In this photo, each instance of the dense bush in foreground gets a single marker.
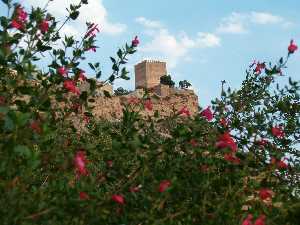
(236, 162)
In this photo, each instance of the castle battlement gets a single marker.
(151, 61)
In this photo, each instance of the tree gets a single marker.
(167, 80)
(121, 91)
(184, 84)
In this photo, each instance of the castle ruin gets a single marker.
(166, 100)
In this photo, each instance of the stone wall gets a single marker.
(111, 108)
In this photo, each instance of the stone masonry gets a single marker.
(111, 108)
(148, 73)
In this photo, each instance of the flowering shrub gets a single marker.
(236, 162)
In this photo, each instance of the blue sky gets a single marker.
(203, 41)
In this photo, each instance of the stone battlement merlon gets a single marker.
(150, 61)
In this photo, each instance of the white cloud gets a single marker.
(265, 18)
(173, 48)
(203, 40)
(233, 24)
(238, 23)
(148, 23)
(93, 12)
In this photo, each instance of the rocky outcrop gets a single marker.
(111, 107)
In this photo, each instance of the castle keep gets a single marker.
(148, 73)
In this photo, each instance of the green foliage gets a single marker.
(121, 91)
(184, 84)
(167, 80)
(59, 165)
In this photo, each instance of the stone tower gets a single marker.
(148, 73)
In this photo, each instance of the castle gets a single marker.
(166, 100)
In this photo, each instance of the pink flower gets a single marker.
(71, 87)
(259, 67)
(265, 193)
(135, 42)
(248, 220)
(2, 100)
(76, 107)
(20, 18)
(93, 48)
(230, 157)
(134, 189)
(148, 104)
(204, 168)
(194, 142)
(86, 119)
(92, 31)
(282, 165)
(277, 132)
(184, 111)
(226, 141)
(207, 113)
(35, 126)
(17, 25)
(164, 185)
(223, 122)
(118, 199)
(83, 196)
(260, 220)
(80, 163)
(109, 163)
(262, 142)
(44, 26)
(21, 14)
(62, 71)
(292, 47)
(81, 76)
(133, 100)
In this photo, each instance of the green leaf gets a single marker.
(106, 94)
(281, 60)
(7, 2)
(4, 110)
(4, 21)
(22, 118)
(115, 67)
(74, 15)
(8, 123)
(120, 53)
(98, 75)
(83, 96)
(92, 66)
(22, 150)
(92, 83)
(111, 78)
(69, 41)
(41, 47)
(113, 59)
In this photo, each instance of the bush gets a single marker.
(235, 165)
(121, 91)
(167, 80)
(184, 84)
